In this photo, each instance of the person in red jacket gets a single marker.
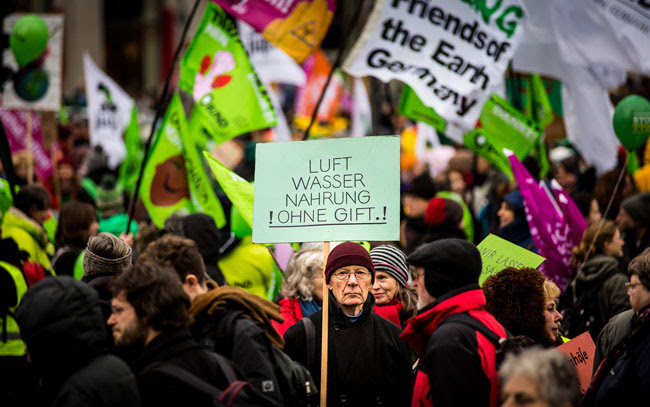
(457, 361)
(303, 286)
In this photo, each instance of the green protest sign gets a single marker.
(217, 72)
(498, 254)
(164, 189)
(203, 197)
(324, 190)
(412, 107)
(238, 190)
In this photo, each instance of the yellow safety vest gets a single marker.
(13, 346)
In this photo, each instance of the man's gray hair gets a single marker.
(555, 375)
(303, 266)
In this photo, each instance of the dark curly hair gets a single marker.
(516, 298)
(156, 295)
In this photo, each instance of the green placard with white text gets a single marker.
(498, 254)
(327, 190)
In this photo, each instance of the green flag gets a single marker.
(134, 152)
(542, 112)
(203, 196)
(502, 126)
(238, 190)
(164, 188)
(412, 107)
(217, 72)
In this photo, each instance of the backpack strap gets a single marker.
(466, 319)
(310, 332)
(225, 332)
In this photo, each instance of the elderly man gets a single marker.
(367, 365)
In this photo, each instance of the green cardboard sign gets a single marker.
(217, 72)
(327, 190)
(498, 254)
(412, 107)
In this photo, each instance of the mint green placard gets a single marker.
(498, 254)
(327, 190)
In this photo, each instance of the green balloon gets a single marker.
(28, 39)
(632, 121)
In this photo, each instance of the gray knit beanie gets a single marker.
(106, 253)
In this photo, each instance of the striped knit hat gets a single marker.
(391, 260)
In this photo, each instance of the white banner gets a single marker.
(614, 34)
(270, 63)
(587, 108)
(36, 87)
(109, 111)
(453, 54)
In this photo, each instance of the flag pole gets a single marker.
(159, 108)
(30, 155)
(337, 63)
(325, 331)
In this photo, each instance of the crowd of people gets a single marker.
(193, 314)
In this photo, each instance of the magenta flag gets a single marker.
(297, 27)
(573, 216)
(15, 124)
(549, 225)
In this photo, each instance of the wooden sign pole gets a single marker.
(325, 330)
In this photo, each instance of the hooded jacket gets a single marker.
(457, 363)
(602, 271)
(63, 329)
(367, 364)
(29, 235)
(247, 342)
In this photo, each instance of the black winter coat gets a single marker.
(175, 347)
(63, 328)
(368, 365)
(248, 348)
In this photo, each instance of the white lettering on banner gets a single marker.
(217, 34)
(528, 132)
(452, 55)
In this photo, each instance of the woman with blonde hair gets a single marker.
(598, 291)
(302, 290)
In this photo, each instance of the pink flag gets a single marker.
(15, 124)
(552, 232)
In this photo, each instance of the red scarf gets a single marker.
(390, 311)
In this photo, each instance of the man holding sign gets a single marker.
(368, 364)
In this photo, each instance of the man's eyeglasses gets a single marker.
(360, 275)
(632, 285)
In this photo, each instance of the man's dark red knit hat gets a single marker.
(348, 254)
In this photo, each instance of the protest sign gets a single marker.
(217, 72)
(498, 254)
(412, 107)
(580, 351)
(453, 54)
(165, 189)
(296, 27)
(271, 64)
(15, 125)
(36, 85)
(324, 190)
(506, 127)
(109, 112)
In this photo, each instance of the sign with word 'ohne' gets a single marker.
(324, 190)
